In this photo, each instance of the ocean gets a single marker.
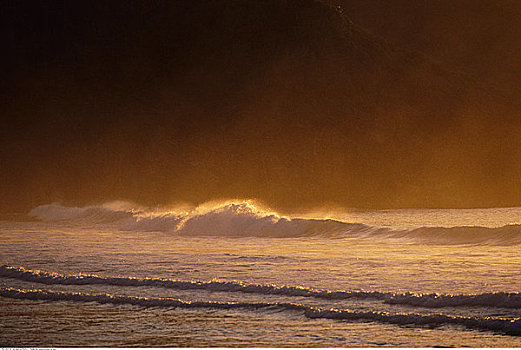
(237, 274)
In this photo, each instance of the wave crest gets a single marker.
(248, 219)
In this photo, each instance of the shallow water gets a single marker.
(120, 277)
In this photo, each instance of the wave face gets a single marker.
(509, 327)
(498, 299)
(245, 219)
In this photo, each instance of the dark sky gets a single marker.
(371, 104)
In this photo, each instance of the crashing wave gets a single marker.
(228, 219)
(245, 219)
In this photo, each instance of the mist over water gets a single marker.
(295, 103)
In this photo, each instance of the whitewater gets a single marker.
(236, 273)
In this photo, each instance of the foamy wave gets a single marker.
(245, 219)
(222, 219)
(94, 214)
(498, 299)
(161, 222)
(505, 326)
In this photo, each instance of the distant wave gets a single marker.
(505, 326)
(505, 235)
(93, 214)
(244, 219)
(498, 299)
(228, 219)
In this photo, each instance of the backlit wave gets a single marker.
(248, 219)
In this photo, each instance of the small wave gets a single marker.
(504, 235)
(497, 299)
(505, 326)
(216, 286)
(38, 294)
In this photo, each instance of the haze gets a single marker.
(298, 104)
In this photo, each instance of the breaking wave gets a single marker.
(223, 219)
(497, 299)
(245, 219)
(505, 326)
(105, 213)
